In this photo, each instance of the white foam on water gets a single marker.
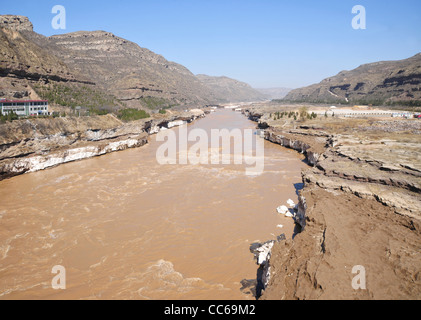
(162, 278)
(62, 178)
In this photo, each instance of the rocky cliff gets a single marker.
(30, 69)
(101, 70)
(387, 82)
(16, 23)
(110, 70)
(38, 144)
(360, 206)
(133, 74)
(23, 64)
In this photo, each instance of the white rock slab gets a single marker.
(283, 210)
(291, 203)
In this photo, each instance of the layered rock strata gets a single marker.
(38, 144)
(360, 207)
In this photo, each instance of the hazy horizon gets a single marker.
(267, 44)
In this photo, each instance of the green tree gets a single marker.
(303, 113)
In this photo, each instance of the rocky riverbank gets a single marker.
(38, 144)
(360, 206)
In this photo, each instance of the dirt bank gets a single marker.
(360, 206)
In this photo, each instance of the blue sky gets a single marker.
(267, 43)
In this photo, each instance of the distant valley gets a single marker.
(275, 93)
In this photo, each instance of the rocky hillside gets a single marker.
(388, 82)
(23, 63)
(230, 90)
(16, 23)
(103, 68)
(100, 70)
(31, 70)
(135, 75)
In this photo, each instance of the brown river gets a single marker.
(125, 227)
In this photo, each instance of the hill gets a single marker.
(94, 69)
(387, 82)
(225, 89)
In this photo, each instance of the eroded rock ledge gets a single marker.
(38, 144)
(360, 206)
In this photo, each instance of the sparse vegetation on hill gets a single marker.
(96, 101)
(155, 103)
(9, 117)
(132, 114)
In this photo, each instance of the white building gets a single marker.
(25, 107)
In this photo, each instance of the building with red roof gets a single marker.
(24, 107)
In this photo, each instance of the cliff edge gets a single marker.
(360, 209)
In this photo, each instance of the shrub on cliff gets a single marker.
(155, 103)
(73, 95)
(132, 114)
(11, 116)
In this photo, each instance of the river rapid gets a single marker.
(125, 227)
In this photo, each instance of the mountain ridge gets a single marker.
(98, 64)
(130, 72)
(382, 82)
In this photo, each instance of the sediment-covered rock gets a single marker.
(289, 139)
(38, 144)
(262, 253)
(352, 212)
(12, 167)
(360, 206)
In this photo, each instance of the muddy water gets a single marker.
(125, 227)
